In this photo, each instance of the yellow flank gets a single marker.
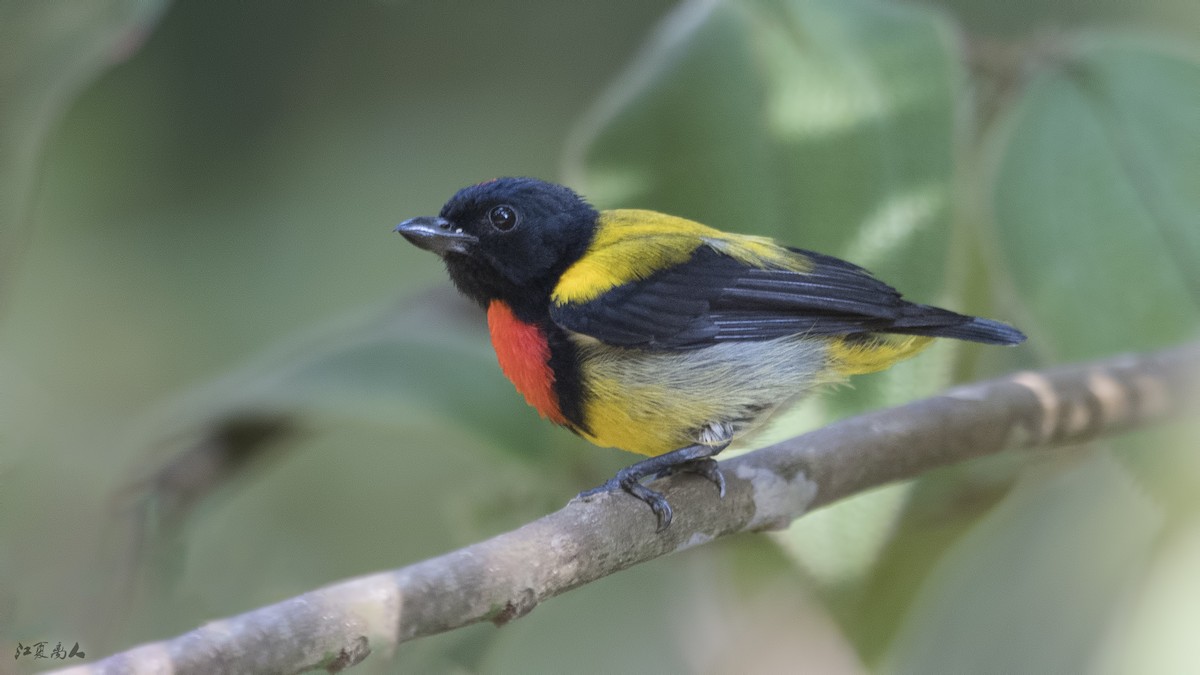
(632, 244)
(618, 419)
(654, 402)
(880, 351)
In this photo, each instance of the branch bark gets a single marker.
(505, 577)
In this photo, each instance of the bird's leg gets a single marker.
(696, 458)
(716, 436)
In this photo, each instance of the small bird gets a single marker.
(661, 336)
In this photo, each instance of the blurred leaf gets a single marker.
(427, 363)
(1157, 633)
(1165, 462)
(750, 611)
(625, 623)
(942, 506)
(827, 124)
(48, 52)
(222, 450)
(1030, 590)
(1090, 193)
(839, 545)
(1096, 198)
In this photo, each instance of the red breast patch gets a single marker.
(524, 357)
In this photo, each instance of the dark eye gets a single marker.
(503, 217)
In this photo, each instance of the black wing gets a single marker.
(714, 298)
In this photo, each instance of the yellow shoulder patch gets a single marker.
(632, 244)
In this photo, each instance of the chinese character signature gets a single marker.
(38, 651)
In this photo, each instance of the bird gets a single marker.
(659, 335)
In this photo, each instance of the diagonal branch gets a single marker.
(505, 577)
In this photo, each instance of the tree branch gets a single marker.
(505, 577)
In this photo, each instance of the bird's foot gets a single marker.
(694, 459)
(630, 482)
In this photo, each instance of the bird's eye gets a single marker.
(503, 217)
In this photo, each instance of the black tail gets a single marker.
(936, 322)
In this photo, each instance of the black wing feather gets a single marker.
(714, 298)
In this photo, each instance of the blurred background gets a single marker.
(224, 382)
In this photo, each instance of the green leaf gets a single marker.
(51, 50)
(425, 364)
(620, 624)
(1030, 589)
(827, 124)
(1096, 198)
(1157, 632)
(840, 545)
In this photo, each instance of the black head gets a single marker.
(509, 238)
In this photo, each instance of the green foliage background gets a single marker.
(224, 382)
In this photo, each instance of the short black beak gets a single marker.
(436, 234)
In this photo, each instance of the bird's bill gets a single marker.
(436, 234)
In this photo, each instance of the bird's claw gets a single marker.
(631, 485)
(657, 503)
(712, 471)
(630, 482)
(706, 467)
